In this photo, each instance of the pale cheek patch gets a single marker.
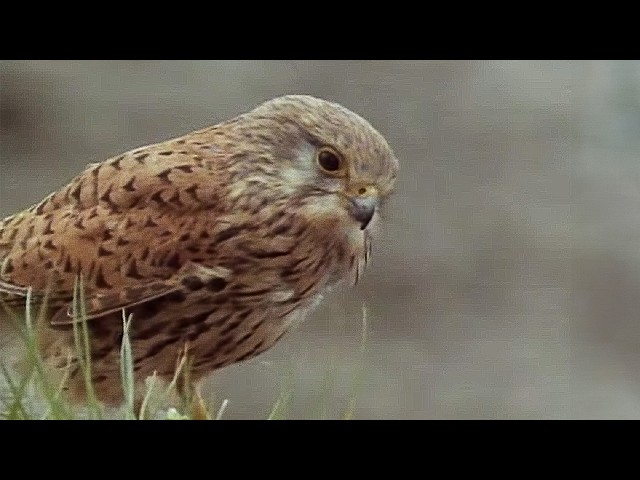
(330, 212)
(294, 178)
(355, 235)
(331, 218)
(305, 157)
(327, 206)
(302, 170)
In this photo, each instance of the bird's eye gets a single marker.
(329, 160)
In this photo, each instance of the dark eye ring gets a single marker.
(329, 160)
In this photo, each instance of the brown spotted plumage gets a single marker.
(220, 239)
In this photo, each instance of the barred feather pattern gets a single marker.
(221, 239)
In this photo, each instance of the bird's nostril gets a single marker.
(362, 191)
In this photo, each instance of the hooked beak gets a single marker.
(363, 208)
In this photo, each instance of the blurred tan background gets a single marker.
(506, 283)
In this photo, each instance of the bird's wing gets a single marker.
(191, 276)
(126, 226)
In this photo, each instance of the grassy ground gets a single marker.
(34, 395)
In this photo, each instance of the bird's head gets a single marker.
(323, 155)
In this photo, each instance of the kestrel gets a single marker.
(220, 240)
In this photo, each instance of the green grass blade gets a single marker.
(126, 368)
(83, 346)
(147, 396)
(57, 408)
(16, 410)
